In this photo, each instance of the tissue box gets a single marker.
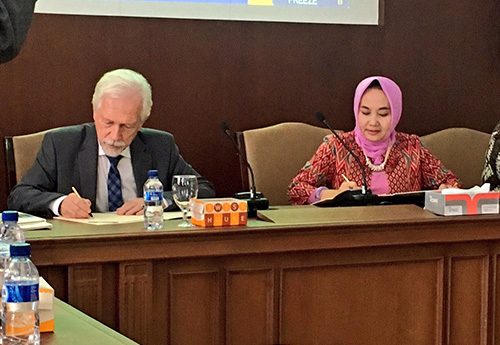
(218, 212)
(461, 204)
(46, 306)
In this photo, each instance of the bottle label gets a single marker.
(19, 293)
(153, 196)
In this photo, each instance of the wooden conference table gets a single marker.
(360, 275)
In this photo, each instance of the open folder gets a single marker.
(357, 198)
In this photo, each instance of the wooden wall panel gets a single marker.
(363, 304)
(250, 306)
(468, 307)
(85, 290)
(135, 300)
(194, 296)
(444, 54)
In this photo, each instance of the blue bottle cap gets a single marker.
(10, 216)
(152, 173)
(20, 249)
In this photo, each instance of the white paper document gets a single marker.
(113, 218)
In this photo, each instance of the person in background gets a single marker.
(491, 170)
(15, 21)
(393, 161)
(86, 156)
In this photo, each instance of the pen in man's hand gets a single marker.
(78, 195)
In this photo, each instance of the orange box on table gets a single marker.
(219, 212)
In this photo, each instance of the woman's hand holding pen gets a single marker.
(347, 184)
(73, 206)
(331, 193)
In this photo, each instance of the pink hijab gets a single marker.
(375, 150)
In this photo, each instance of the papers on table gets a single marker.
(29, 222)
(485, 188)
(112, 218)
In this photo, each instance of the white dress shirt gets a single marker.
(129, 188)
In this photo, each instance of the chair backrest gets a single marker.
(276, 154)
(462, 150)
(21, 152)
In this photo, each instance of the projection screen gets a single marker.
(365, 12)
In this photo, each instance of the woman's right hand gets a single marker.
(348, 185)
(332, 193)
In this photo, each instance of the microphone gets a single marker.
(350, 197)
(225, 129)
(255, 200)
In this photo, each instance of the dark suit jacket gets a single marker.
(68, 157)
(15, 20)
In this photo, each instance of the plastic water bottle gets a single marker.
(9, 224)
(20, 318)
(10, 232)
(153, 199)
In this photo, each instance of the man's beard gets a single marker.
(113, 148)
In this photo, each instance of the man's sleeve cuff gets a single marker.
(167, 203)
(54, 205)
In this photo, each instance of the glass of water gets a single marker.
(184, 187)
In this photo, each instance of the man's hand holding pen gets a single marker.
(74, 206)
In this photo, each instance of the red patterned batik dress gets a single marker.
(410, 167)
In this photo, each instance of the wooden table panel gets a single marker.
(250, 306)
(468, 306)
(363, 304)
(194, 308)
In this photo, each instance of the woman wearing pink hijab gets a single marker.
(393, 162)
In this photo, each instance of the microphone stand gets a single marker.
(255, 200)
(350, 197)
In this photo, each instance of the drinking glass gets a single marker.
(184, 187)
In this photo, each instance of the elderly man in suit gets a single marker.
(84, 156)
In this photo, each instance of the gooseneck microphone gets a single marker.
(322, 118)
(225, 129)
(350, 197)
(255, 200)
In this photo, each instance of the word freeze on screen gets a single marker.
(300, 11)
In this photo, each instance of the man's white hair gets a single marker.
(119, 83)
